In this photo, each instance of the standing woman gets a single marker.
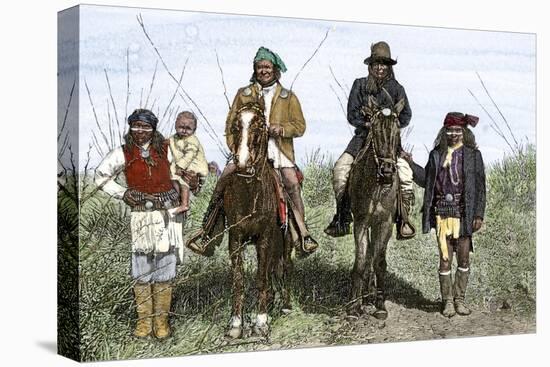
(156, 232)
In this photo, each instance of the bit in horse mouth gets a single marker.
(248, 172)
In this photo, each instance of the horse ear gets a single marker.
(399, 106)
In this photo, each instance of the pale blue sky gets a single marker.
(436, 66)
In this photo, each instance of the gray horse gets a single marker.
(373, 190)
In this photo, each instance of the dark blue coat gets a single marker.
(474, 188)
(358, 98)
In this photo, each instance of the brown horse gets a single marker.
(373, 188)
(251, 209)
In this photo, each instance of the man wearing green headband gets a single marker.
(284, 117)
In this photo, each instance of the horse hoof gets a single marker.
(380, 314)
(261, 331)
(355, 311)
(235, 332)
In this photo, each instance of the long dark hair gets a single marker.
(157, 142)
(468, 139)
(374, 85)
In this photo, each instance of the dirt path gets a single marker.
(403, 324)
(407, 324)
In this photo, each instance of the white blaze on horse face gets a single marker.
(243, 152)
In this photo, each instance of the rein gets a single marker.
(262, 147)
(377, 159)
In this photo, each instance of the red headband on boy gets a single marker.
(455, 119)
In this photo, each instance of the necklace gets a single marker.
(144, 152)
(456, 179)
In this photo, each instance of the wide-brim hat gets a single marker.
(380, 53)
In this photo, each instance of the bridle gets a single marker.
(390, 161)
(262, 148)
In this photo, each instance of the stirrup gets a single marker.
(337, 229)
(405, 230)
(309, 245)
(199, 244)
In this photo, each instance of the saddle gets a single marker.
(283, 200)
(289, 218)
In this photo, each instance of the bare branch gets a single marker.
(114, 106)
(151, 86)
(494, 125)
(96, 144)
(209, 133)
(75, 173)
(227, 229)
(498, 109)
(175, 92)
(67, 110)
(95, 114)
(336, 80)
(127, 81)
(111, 133)
(217, 140)
(99, 187)
(427, 149)
(153, 106)
(64, 145)
(311, 57)
(342, 107)
(223, 80)
(85, 182)
(339, 100)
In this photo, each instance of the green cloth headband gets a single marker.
(266, 54)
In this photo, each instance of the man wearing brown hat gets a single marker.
(381, 85)
(285, 120)
(454, 203)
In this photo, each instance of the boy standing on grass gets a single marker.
(454, 203)
(188, 157)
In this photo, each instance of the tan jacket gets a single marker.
(188, 154)
(285, 112)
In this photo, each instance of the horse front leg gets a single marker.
(237, 272)
(265, 253)
(380, 236)
(361, 235)
(282, 270)
(287, 272)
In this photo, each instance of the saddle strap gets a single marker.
(279, 194)
(297, 217)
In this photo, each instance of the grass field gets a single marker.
(503, 273)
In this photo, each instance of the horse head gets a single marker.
(385, 138)
(251, 136)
